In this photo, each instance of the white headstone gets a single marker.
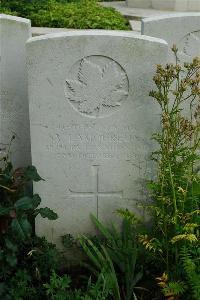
(183, 30)
(14, 111)
(91, 123)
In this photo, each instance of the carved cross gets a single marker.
(96, 192)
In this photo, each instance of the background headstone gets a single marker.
(14, 111)
(183, 30)
(91, 123)
(177, 5)
(139, 3)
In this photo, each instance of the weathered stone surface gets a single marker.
(177, 5)
(170, 5)
(139, 3)
(182, 30)
(91, 123)
(14, 32)
(136, 26)
(36, 31)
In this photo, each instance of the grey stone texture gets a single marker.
(173, 5)
(134, 13)
(14, 111)
(139, 3)
(36, 31)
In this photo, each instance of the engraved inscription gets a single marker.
(97, 87)
(96, 193)
(90, 141)
(190, 44)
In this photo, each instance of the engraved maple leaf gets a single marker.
(191, 44)
(96, 87)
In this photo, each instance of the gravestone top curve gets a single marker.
(170, 17)
(92, 32)
(15, 19)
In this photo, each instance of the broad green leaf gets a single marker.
(104, 231)
(36, 200)
(47, 213)
(31, 174)
(28, 202)
(24, 203)
(137, 278)
(21, 227)
(91, 251)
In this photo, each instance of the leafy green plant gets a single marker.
(59, 288)
(191, 267)
(18, 208)
(98, 290)
(171, 290)
(7, 11)
(21, 285)
(104, 268)
(114, 258)
(56, 289)
(175, 192)
(18, 244)
(34, 260)
(83, 14)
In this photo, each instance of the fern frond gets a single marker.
(190, 237)
(153, 245)
(174, 288)
(194, 212)
(127, 214)
(192, 272)
(189, 227)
